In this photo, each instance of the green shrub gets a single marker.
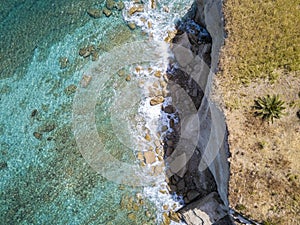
(268, 107)
(240, 207)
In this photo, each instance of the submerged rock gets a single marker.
(63, 61)
(3, 165)
(110, 4)
(86, 79)
(87, 51)
(94, 13)
(148, 214)
(131, 216)
(131, 25)
(121, 73)
(37, 135)
(34, 113)
(120, 6)
(135, 207)
(136, 9)
(47, 127)
(71, 89)
(95, 56)
(128, 78)
(107, 12)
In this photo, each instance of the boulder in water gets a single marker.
(120, 6)
(157, 100)
(87, 51)
(94, 13)
(71, 89)
(86, 79)
(110, 4)
(131, 25)
(149, 157)
(107, 12)
(63, 61)
(128, 78)
(136, 9)
(37, 135)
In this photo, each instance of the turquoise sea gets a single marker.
(43, 177)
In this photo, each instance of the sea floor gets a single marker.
(44, 178)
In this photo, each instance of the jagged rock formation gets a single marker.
(203, 180)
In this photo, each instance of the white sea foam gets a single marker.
(157, 22)
(36, 83)
(162, 17)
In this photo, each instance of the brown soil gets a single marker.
(265, 162)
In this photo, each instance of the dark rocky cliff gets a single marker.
(203, 181)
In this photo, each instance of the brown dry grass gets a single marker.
(264, 36)
(265, 168)
(265, 162)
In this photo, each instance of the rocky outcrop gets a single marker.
(207, 210)
(203, 180)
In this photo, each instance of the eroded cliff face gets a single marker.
(203, 181)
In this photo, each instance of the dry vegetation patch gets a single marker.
(263, 37)
(265, 168)
(261, 57)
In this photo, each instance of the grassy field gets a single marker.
(261, 57)
(264, 38)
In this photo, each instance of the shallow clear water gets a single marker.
(43, 176)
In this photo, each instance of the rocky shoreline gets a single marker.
(205, 191)
(199, 33)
